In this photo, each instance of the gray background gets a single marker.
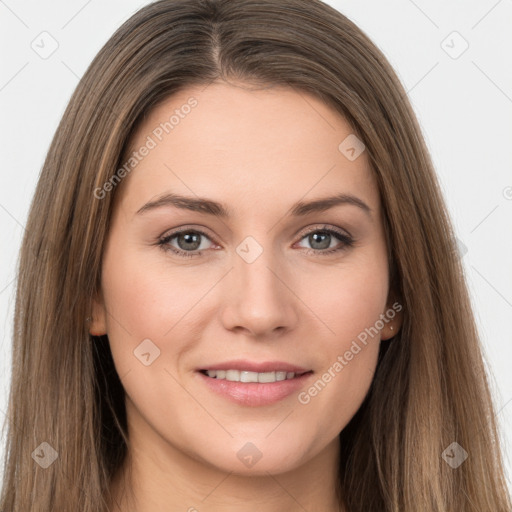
(463, 99)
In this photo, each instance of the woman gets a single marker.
(246, 369)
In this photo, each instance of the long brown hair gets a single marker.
(430, 388)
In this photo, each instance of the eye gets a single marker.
(188, 242)
(321, 241)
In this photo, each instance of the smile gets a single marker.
(248, 376)
(253, 389)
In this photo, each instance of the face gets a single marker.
(251, 284)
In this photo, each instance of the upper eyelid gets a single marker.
(322, 227)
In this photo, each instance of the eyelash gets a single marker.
(347, 242)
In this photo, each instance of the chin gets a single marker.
(255, 458)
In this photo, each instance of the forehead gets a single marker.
(243, 145)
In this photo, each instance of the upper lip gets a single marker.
(253, 366)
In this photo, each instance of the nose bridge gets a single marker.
(253, 270)
(258, 298)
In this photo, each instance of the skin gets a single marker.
(258, 151)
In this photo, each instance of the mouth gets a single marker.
(250, 388)
(246, 376)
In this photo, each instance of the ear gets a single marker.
(98, 319)
(393, 318)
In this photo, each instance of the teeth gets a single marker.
(233, 375)
(246, 376)
(267, 377)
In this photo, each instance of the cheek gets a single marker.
(349, 307)
(144, 299)
(135, 299)
(148, 301)
(347, 300)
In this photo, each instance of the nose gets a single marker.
(259, 298)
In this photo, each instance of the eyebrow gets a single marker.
(209, 207)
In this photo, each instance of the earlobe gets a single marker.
(97, 320)
(393, 325)
(389, 331)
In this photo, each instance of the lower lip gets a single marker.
(255, 394)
